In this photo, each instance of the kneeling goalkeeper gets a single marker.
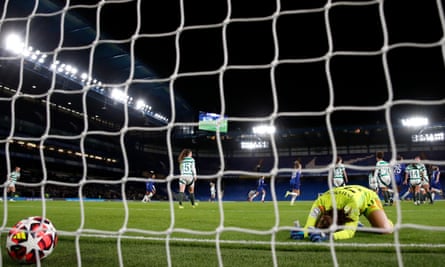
(351, 202)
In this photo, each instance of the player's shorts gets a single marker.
(339, 182)
(415, 182)
(11, 184)
(425, 182)
(384, 181)
(295, 187)
(373, 185)
(187, 180)
(398, 179)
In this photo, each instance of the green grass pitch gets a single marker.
(222, 234)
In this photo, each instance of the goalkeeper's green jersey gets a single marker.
(355, 200)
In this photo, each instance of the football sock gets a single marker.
(417, 197)
(192, 198)
(180, 197)
(430, 197)
(405, 194)
(385, 196)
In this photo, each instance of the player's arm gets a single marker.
(195, 176)
(346, 233)
(314, 214)
(405, 181)
(311, 220)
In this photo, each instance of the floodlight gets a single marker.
(140, 104)
(415, 121)
(263, 129)
(14, 43)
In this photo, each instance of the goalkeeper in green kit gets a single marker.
(351, 202)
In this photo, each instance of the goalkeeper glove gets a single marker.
(297, 235)
(317, 236)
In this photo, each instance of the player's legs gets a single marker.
(145, 198)
(378, 219)
(295, 193)
(263, 196)
(150, 195)
(435, 191)
(181, 193)
(416, 194)
(407, 192)
(11, 188)
(385, 194)
(192, 193)
(253, 196)
(427, 192)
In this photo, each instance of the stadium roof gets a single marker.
(113, 61)
(257, 64)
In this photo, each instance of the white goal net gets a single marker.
(96, 96)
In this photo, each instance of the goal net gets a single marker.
(98, 98)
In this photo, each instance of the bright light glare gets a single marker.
(415, 122)
(263, 129)
(254, 144)
(14, 43)
(119, 95)
(140, 104)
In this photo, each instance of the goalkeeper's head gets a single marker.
(327, 218)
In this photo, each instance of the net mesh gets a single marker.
(344, 57)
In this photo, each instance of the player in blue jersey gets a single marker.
(150, 188)
(188, 176)
(436, 186)
(261, 188)
(349, 203)
(295, 182)
(340, 177)
(399, 173)
(12, 179)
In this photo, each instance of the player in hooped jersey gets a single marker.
(340, 177)
(12, 179)
(425, 183)
(414, 176)
(383, 176)
(188, 176)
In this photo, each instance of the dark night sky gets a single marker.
(245, 58)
